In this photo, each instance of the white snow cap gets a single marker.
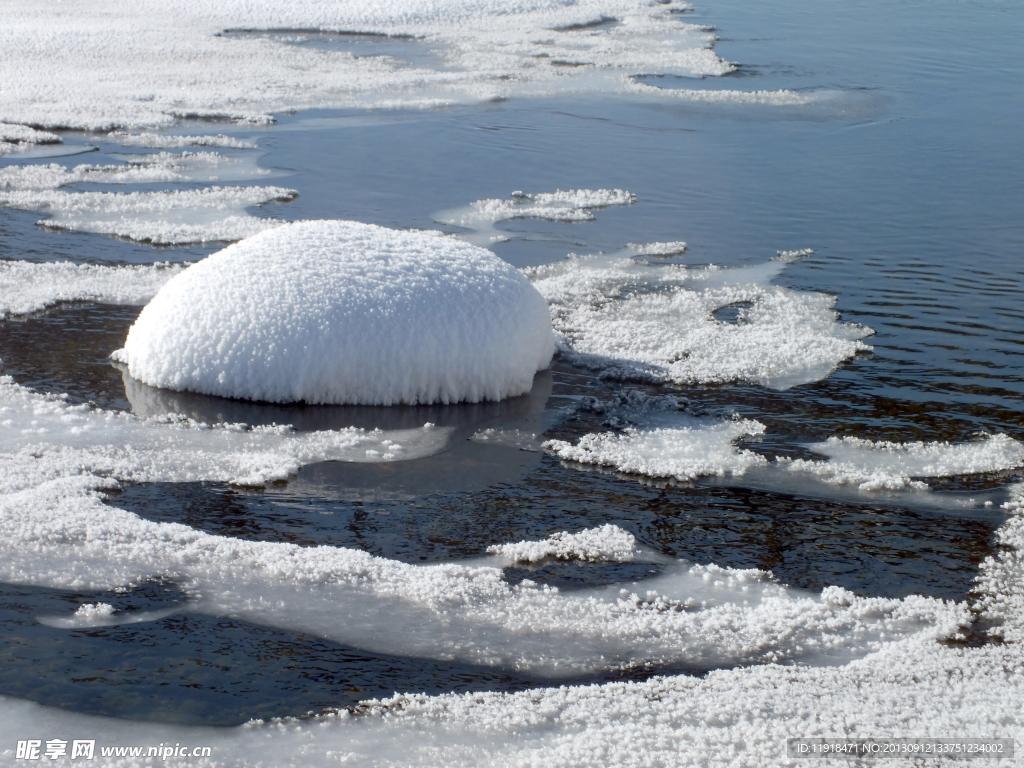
(342, 312)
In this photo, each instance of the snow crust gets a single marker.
(174, 217)
(607, 543)
(29, 287)
(572, 205)
(145, 64)
(651, 321)
(342, 312)
(887, 465)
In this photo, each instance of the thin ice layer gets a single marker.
(342, 312)
(572, 205)
(144, 63)
(658, 322)
(739, 718)
(51, 439)
(891, 466)
(28, 287)
(175, 217)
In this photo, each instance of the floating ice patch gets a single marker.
(698, 449)
(574, 205)
(145, 64)
(137, 169)
(26, 287)
(163, 218)
(607, 543)
(341, 312)
(103, 615)
(873, 466)
(172, 141)
(644, 320)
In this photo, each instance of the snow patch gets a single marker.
(342, 312)
(609, 543)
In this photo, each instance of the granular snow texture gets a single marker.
(342, 312)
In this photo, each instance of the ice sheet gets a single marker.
(28, 287)
(143, 63)
(345, 313)
(175, 217)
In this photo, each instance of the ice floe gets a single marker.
(646, 320)
(342, 312)
(29, 287)
(700, 449)
(146, 64)
(573, 205)
(172, 217)
(56, 437)
(886, 465)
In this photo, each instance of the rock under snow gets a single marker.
(342, 312)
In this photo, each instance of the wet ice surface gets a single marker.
(866, 182)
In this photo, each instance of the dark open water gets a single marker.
(908, 183)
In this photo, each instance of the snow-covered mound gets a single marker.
(342, 312)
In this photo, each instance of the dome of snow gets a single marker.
(343, 312)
